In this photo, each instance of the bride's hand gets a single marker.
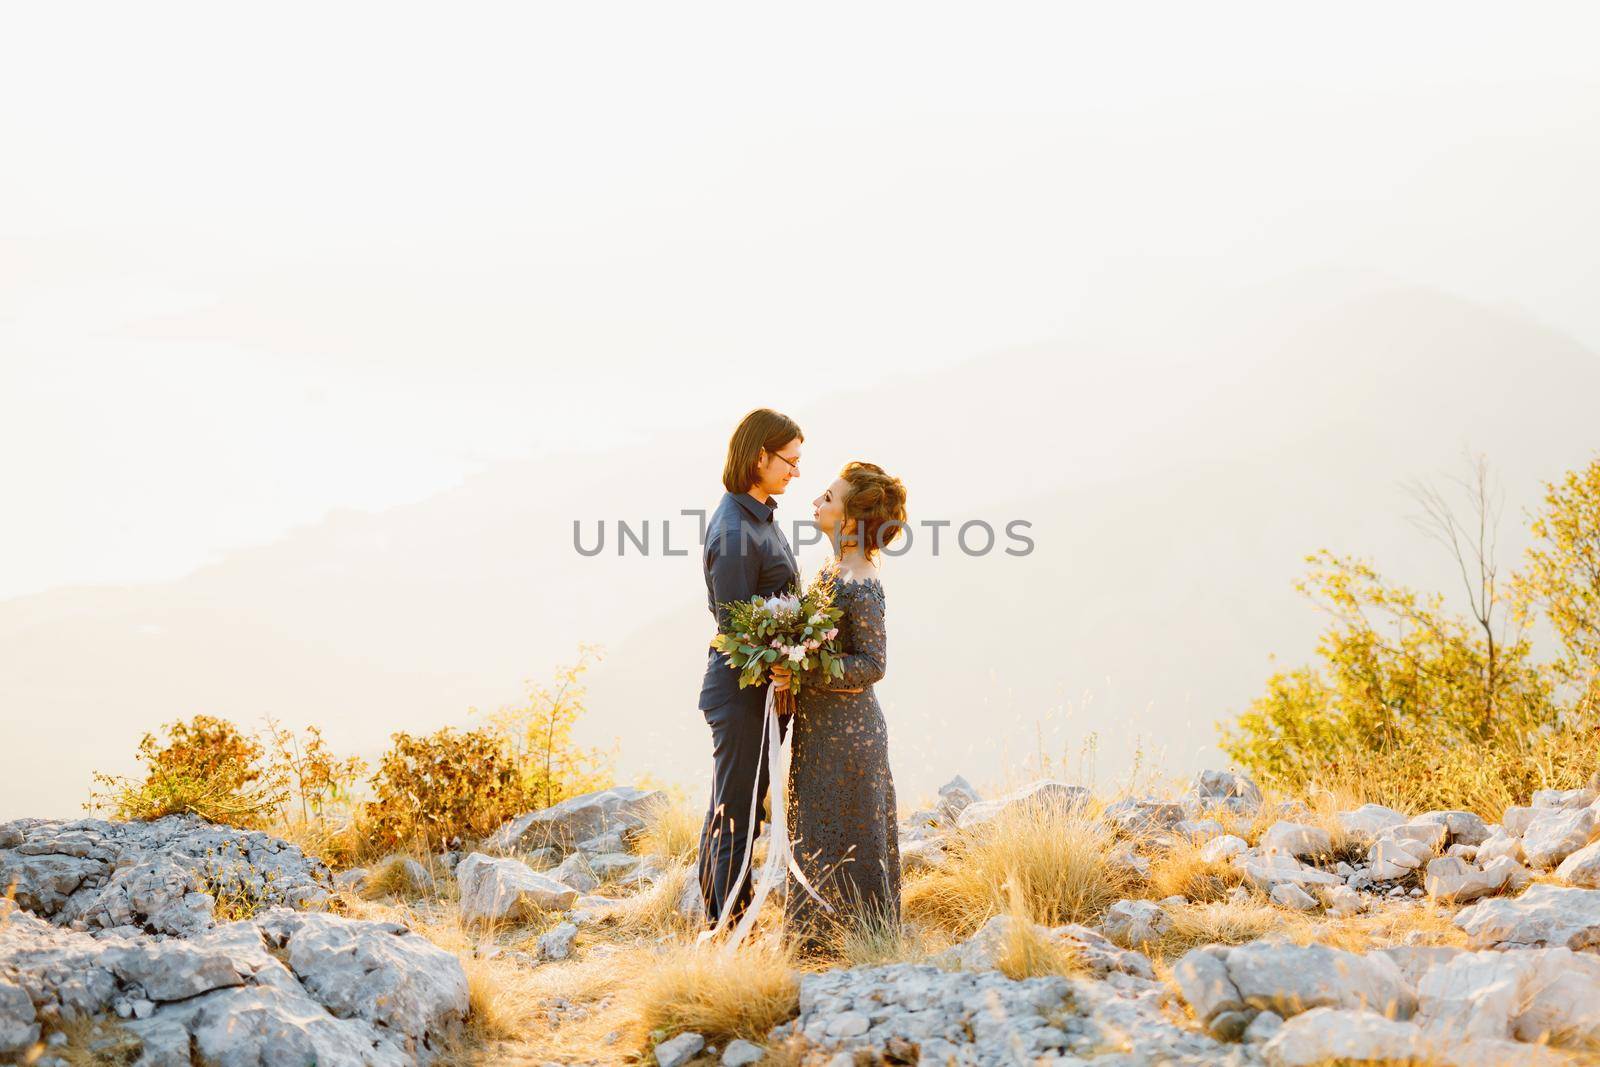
(780, 677)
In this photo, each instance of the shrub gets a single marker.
(205, 768)
(538, 736)
(450, 785)
(316, 777)
(1415, 706)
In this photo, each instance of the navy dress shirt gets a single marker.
(746, 555)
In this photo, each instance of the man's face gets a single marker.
(774, 472)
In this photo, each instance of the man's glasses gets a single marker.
(794, 464)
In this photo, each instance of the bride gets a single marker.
(841, 795)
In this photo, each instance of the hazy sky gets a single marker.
(260, 263)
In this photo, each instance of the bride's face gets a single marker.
(828, 509)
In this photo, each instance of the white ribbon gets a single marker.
(780, 855)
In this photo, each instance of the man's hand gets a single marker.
(781, 676)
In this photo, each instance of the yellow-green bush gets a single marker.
(1412, 705)
(451, 784)
(206, 767)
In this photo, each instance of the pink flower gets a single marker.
(813, 644)
(831, 634)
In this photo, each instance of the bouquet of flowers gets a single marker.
(798, 628)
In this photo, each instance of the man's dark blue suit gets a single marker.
(746, 555)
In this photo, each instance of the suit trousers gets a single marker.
(739, 767)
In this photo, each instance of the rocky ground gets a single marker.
(1357, 936)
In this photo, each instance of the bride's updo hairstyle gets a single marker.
(877, 502)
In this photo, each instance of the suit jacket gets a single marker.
(746, 555)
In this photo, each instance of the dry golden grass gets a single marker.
(876, 940)
(391, 879)
(1220, 923)
(1056, 858)
(718, 993)
(1180, 870)
(653, 913)
(1028, 951)
(672, 832)
(336, 841)
(93, 1043)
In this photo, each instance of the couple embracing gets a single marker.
(845, 867)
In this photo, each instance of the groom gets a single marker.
(746, 555)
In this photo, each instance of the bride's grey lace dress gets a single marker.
(841, 796)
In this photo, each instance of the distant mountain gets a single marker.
(1175, 465)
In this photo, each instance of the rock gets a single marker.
(982, 949)
(267, 1025)
(1297, 839)
(610, 841)
(1563, 798)
(1531, 995)
(1223, 790)
(415, 877)
(1327, 1035)
(955, 796)
(19, 1023)
(1287, 979)
(1223, 848)
(578, 818)
(1500, 844)
(398, 981)
(556, 944)
(1342, 900)
(1556, 833)
(1367, 823)
(573, 871)
(1273, 868)
(1134, 922)
(354, 879)
(1582, 868)
(1264, 1027)
(680, 1050)
(344, 990)
(1138, 817)
(507, 889)
(1200, 829)
(742, 1053)
(1545, 915)
(1454, 880)
(541, 859)
(1395, 857)
(171, 970)
(1289, 895)
(920, 1013)
(1516, 820)
(1044, 795)
(924, 855)
(1461, 827)
(159, 876)
(164, 1042)
(614, 866)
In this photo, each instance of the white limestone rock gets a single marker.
(494, 889)
(1226, 986)
(1582, 868)
(1043, 795)
(577, 819)
(1556, 833)
(1135, 922)
(1368, 822)
(1544, 915)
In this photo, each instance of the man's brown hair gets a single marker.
(762, 428)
